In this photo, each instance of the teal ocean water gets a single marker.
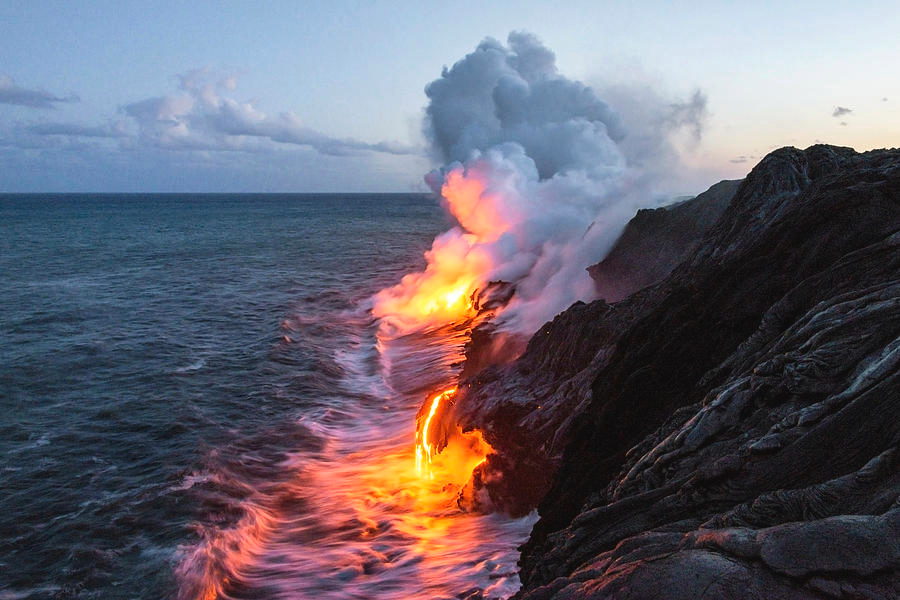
(194, 402)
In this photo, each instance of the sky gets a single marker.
(329, 96)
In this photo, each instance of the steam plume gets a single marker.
(541, 176)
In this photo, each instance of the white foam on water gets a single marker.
(352, 518)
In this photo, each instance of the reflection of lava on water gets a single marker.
(347, 514)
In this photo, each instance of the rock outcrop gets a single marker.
(731, 431)
(655, 241)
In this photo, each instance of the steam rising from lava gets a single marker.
(540, 178)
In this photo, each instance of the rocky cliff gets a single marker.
(731, 431)
(656, 241)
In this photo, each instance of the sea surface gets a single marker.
(196, 404)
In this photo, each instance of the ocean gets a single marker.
(196, 403)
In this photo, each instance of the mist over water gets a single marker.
(196, 402)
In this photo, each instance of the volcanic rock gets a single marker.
(655, 241)
(731, 431)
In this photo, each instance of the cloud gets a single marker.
(200, 136)
(691, 115)
(498, 94)
(73, 130)
(61, 163)
(742, 159)
(843, 123)
(884, 99)
(840, 111)
(202, 115)
(10, 93)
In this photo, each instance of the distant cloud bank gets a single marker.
(10, 93)
(184, 135)
(200, 116)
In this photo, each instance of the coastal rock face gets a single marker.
(655, 241)
(731, 431)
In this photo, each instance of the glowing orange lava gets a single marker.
(458, 458)
(423, 446)
(460, 262)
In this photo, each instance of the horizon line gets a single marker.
(80, 193)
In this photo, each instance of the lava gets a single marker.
(423, 446)
(460, 262)
(459, 454)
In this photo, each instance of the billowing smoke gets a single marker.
(540, 174)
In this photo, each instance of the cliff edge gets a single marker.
(655, 241)
(732, 430)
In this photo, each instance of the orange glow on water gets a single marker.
(378, 524)
(360, 519)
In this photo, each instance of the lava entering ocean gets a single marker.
(540, 177)
(458, 263)
(526, 213)
(460, 452)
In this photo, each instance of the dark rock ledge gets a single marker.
(732, 430)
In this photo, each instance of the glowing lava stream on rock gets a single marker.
(463, 451)
(423, 447)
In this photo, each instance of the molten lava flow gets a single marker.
(423, 446)
(463, 451)
(460, 262)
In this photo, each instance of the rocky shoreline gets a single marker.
(726, 424)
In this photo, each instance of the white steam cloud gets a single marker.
(540, 173)
(498, 94)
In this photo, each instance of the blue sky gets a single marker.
(328, 96)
